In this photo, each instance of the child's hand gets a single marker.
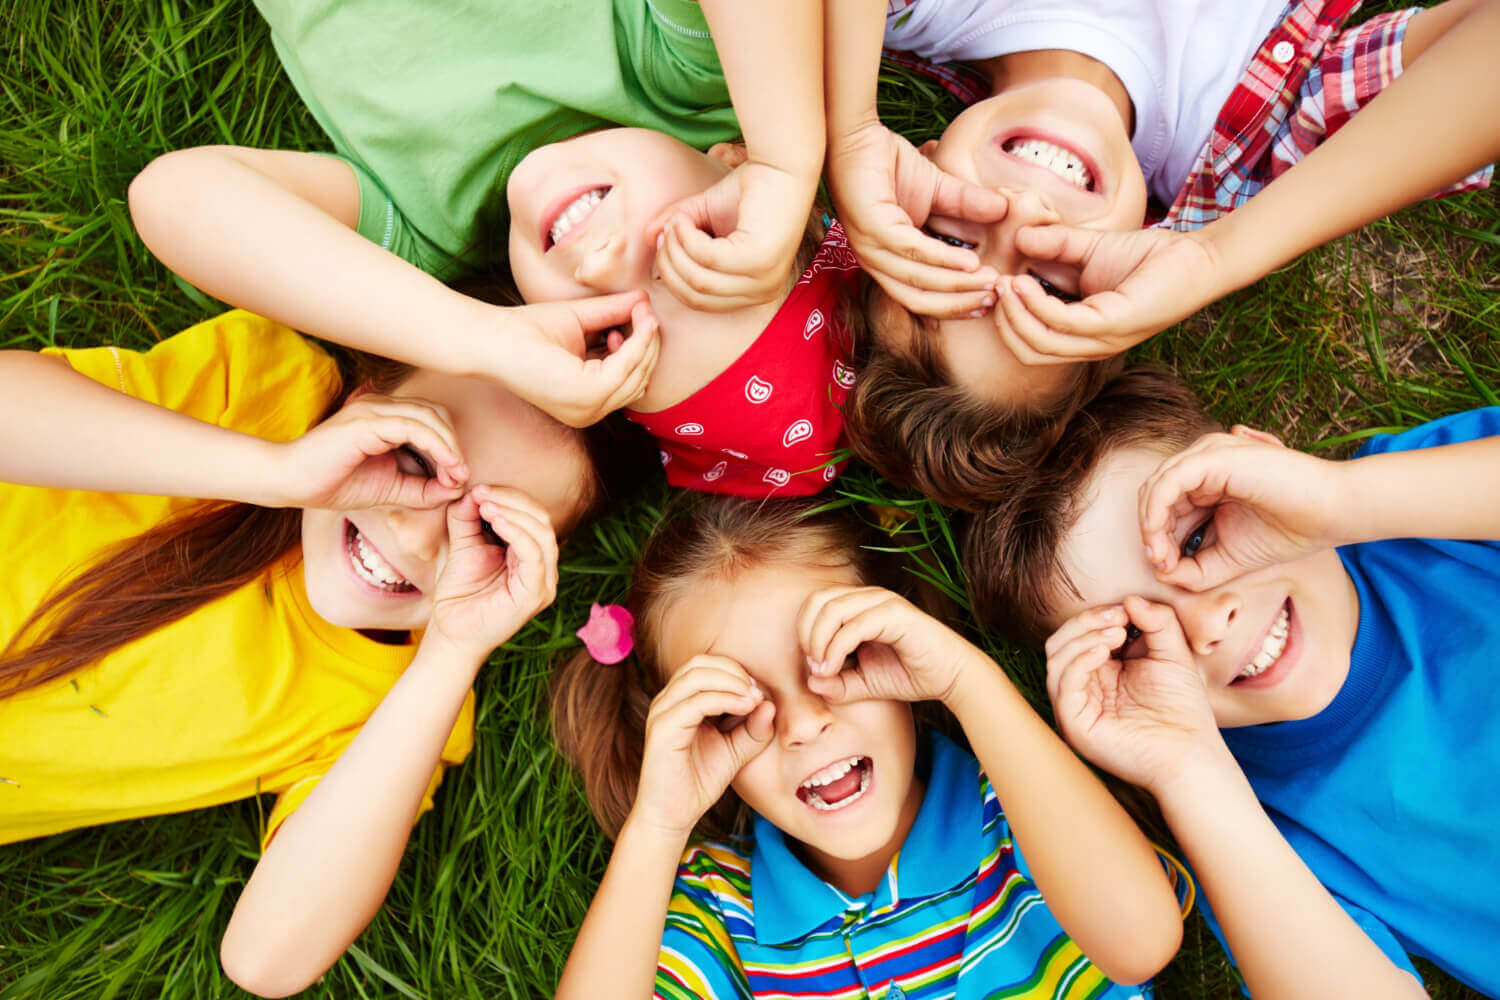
(1140, 717)
(707, 723)
(1135, 284)
(903, 653)
(735, 244)
(376, 451)
(884, 190)
(1239, 501)
(500, 571)
(545, 359)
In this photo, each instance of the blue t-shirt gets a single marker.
(1390, 794)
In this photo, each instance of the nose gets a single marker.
(419, 534)
(604, 265)
(1206, 618)
(801, 718)
(1027, 208)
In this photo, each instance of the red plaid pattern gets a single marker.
(958, 78)
(1283, 108)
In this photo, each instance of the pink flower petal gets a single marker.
(609, 634)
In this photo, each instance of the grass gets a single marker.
(1383, 329)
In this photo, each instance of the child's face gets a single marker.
(377, 568)
(1059, 150)
(579, 211)
(846, 818)
(1229, 626)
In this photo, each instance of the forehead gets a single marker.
(507, 441)
(750, 617)
(1102, 553)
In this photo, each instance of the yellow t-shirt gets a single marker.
(248, 694)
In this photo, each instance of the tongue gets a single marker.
(837, 791)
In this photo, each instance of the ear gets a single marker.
(731, 154)
(1251, 434)
(928, 148)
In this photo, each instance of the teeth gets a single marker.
(1061, 162)
(1272, 648)
(577, 210)
(831, 773)
(372, 568)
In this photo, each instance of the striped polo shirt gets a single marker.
(957, 915)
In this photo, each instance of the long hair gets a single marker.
(599, 712)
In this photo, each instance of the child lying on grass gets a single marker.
(477, 134)
(1095, 108)
(1294, 656)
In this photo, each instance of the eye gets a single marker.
(1054, 291)
(412, 462)
(1132, 647)
(1196, 539)
(952, 241)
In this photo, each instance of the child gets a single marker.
(769, 693)
(1094, 108)
(456, 126)
(161, 654)
(1352, 685)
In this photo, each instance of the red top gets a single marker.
(772, 421)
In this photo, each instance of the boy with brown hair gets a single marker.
(1034, 197)
(1293, 655)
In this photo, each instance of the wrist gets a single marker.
(643, 830)
(268, 476)
(447, 656)
(1200, 774)
(476, 331)
(979, 689)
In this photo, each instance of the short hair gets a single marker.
(917, 427)
(1010, 548)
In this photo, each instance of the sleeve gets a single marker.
(238, 371)
(384, 224)
(455, 751)
(1373, 928)
(1471, 425)
(698, 960)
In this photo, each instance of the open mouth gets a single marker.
(837, 786)
(1056, 159)
(570, 215)
(370, 566)
(1272, 646)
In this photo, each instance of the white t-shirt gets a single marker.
(1178, 59)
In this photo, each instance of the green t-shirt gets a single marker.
(433, 103)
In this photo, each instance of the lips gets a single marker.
(1055, 156)
(1274, 652)
(371, 567)
(837, 785)
(570, 212)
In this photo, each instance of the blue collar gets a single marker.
(1369, 660)
(789, 902)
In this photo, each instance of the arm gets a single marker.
(734, 244)
(1141, 282)
(1099, 876)
(687, 767)
(326, 872)
(63, 430)
(1268, 504)
(271, 231)
(1148, 720)
(884, 189)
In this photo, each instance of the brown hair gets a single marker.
(599, 712)
(1010, 548)
(212, 548)
(908, 419)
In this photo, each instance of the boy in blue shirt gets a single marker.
(1288, 655)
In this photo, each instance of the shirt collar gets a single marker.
(789, 901)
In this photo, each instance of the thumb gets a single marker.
(960, 199)
(604, 311)
(841, 688)
(748, 740)
(1064, 244)
(1160, 628)
(714, 210)
(420, 492)
(1211, 566)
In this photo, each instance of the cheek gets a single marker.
(759, 783)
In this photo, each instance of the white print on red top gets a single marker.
(757, 390)
(737, 454)
(690, 429)
(799, 431)
(716, 471)
(777, 477)
(843, 375)
(665, 458)
(829, 471)
(814, 325)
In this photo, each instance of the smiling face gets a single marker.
(1060, 151)
(377, 568)
(1272, 645)
(836, 779)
